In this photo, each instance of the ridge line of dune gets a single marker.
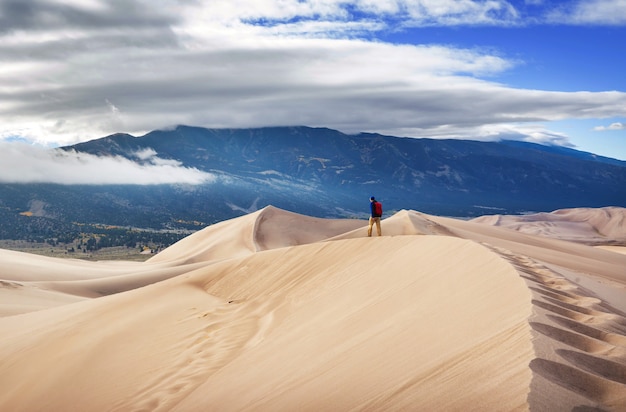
(579, 340)
(257, 224)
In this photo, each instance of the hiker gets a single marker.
(376, 209)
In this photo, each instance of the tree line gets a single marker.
(83, 237)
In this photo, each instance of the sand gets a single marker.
(276, 311)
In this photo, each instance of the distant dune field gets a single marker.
(276, 311)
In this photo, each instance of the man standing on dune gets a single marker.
(376, 209)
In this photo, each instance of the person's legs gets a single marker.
(378, 229)
(369, 228)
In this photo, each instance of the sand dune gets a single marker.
(590, 226)
(269, 228)
(278, 311)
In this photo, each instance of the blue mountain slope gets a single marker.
(434, 175)
(566, 151)
(323, 172)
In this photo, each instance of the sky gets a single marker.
(536, 70)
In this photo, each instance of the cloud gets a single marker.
(23, 163)
(590, 12)
(145, 154)
(404, 12)
(114, 110)
(532, 133)
(72, 71)
(612, 126)
(40, 15)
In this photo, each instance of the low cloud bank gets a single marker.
(22, 163)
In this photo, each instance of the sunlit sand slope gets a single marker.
(585, 225)
(279, 311)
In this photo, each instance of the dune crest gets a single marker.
(280, 311)
(585, 225)
(268, 228)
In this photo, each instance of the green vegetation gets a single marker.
(78, 240)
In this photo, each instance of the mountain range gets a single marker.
(321, 172)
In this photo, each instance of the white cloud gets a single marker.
(602, 12)
(114, 110)
(532, 133)
(77, 70)
(350, 85)
(145, 154)
(612, 126)
(22, 163)
(407, 12)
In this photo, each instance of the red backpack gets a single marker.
(378, 208)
